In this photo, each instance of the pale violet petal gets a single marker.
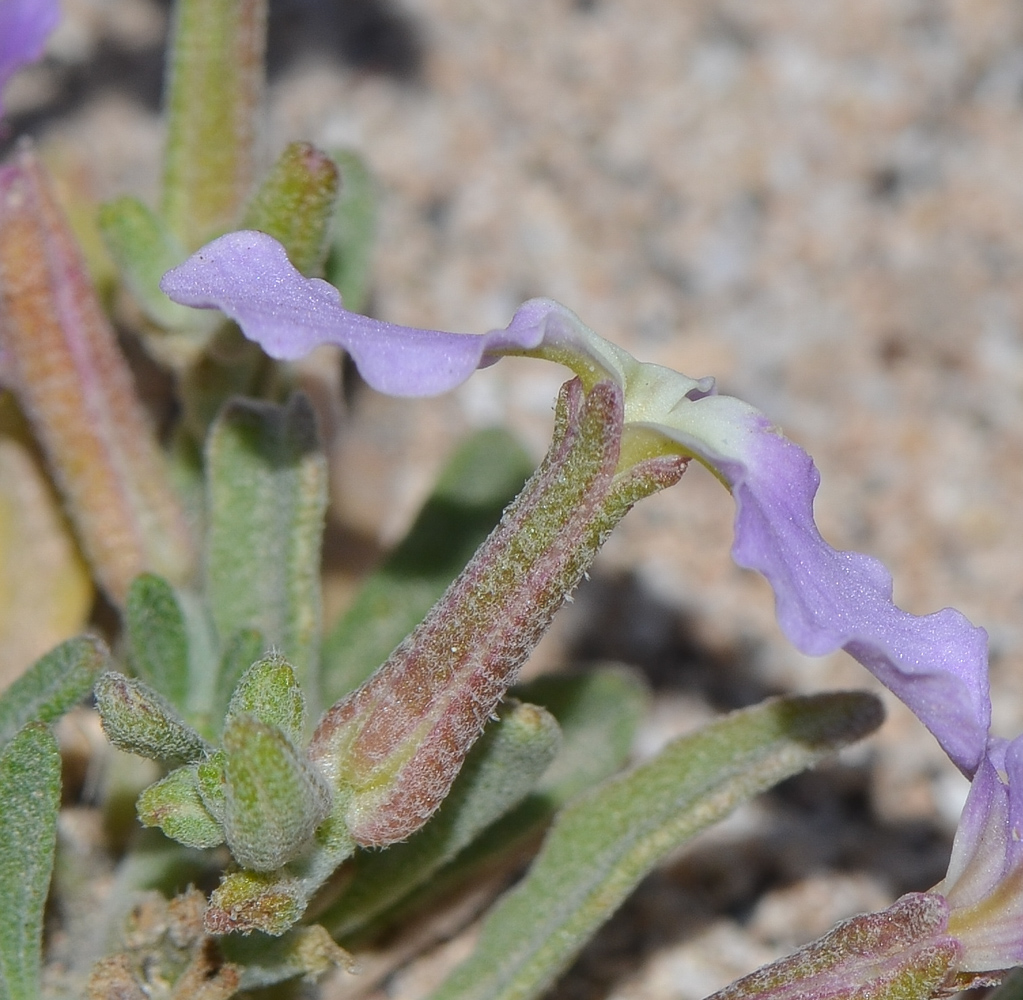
(24, 27)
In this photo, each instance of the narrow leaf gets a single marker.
(270, 694)
(267, 489)
(274, 798)
(240, 652)
(295, 205)
(52, 685)
(603, 844)
(215, 86)
(139, 720)
(157, 638)
(144, 249)
(62, 360)
(501, 769)
(348, 263)
(480, 480)
(30, 795)
(175, 806)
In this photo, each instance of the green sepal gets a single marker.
(141, 721)
(29, 801)
(902, 953)
(267, 494)
(478, 482)
(500, 770)
(604, 842)
(144, 249)
(295, 205)
(157, 638)
(52, 685)
(274, 797)
(176, 807)
(269, 693)
(348, 261)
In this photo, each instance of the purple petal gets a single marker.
(24, 27)
(984, 884)
(248, 276)
(827, 599)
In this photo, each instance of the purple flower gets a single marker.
(24, 27)
(984, 883)
(826, 599)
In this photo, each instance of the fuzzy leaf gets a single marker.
(348, 263)
(295, 205)
(603, 843)
(141, 721)
(55, 683)
(63, 362)
(29, 800)
(269, 693)
(211, 783)
(501, 769)
(144, 250)
(157, 638)
(175, 806)
(480, 480)
(275, 798)
(267, 482)
(240, 652)
(215, 85)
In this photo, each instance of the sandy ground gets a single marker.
(820, 204)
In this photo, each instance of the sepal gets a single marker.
(141, 721)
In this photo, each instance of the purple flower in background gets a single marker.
(24, 27)
(826, 599)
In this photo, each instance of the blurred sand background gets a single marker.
(821, 204)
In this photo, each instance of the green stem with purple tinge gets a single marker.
(393, 747)
(59, 355)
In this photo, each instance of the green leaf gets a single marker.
(29, 800)
(603, 843)
(215, 86)
(501, 769)
(480, 480)
(267, 493)
(144, 250)
(52, 685)
(157, 639)
(141, 721)
(240, 652)
(295, 205)
(175, 806)
(275, 798)
(348, 262)
(269, 693)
